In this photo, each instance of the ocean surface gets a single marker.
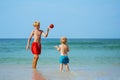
(90, 59)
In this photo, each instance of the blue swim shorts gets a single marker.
(64, 59)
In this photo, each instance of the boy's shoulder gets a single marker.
(63, 45)
(32, 31)
(38, 30)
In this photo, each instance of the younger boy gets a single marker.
(36, 44)
(63, 48)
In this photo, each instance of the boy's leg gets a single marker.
(67, 67)
(61, 67)
(35, 59)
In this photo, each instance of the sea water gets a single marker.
(90, 59)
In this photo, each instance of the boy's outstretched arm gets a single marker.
(57, 47)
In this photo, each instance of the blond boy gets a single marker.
(36, 44)
(64, 49)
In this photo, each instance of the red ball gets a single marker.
(51, 26)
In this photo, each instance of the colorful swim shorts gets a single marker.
(36, 48)
(64, 59)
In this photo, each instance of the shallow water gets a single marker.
(90, 59)
(12, 72)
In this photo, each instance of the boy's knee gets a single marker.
(36, 56)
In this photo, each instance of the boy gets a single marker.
(36, 44)
(63, 48)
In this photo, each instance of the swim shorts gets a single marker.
(64, 59)
(36, 48)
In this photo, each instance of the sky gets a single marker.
(71, 18)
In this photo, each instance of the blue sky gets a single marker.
(72, 18)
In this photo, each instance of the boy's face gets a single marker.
(37, 26)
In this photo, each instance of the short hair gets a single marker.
(36, 23)
(63, 40)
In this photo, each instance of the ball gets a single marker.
(51, 26)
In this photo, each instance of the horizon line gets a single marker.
(59, 38)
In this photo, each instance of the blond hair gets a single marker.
(36, 23)
(63, 40)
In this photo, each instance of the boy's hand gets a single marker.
(27, 47)
(56, 47)
(49, 28)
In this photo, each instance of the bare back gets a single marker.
(64, 49)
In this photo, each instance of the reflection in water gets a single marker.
(37, 75)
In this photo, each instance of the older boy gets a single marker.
(36, 44)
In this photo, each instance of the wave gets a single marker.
(87, 43)
(20, 44)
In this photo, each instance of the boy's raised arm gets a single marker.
(46, 34)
